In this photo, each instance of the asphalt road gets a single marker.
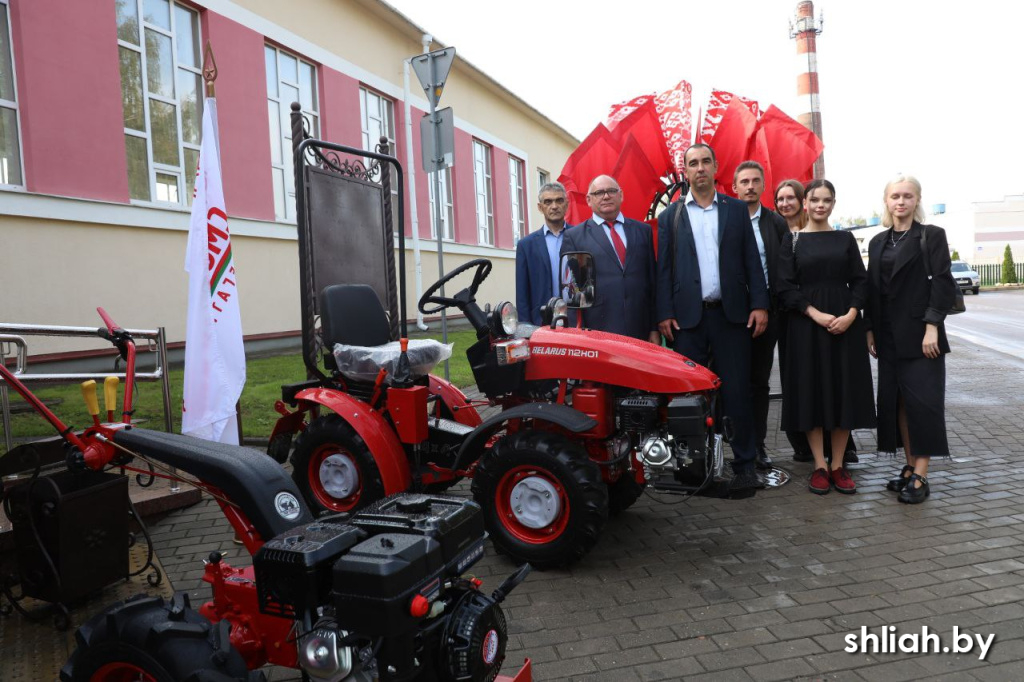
(994, 319)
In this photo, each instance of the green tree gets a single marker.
(1009, 273)
(955, 256)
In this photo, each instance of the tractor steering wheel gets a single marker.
(483, 268)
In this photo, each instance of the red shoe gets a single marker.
(843, 481)
(820, 483)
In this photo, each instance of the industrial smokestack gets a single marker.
(805, 30)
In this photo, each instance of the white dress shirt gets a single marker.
(754, 223)
(704, 224)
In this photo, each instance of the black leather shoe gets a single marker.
(913, 494)
(850, 457)
(803, 456)
(745, 479)
(763, 461)
(900, 482)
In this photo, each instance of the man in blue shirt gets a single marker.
(712, 297)
(537, 255)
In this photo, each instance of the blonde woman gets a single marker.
(828, 376)
(907, 303)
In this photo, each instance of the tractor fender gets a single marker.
(455, 400)
(562, 415)
(378, 435)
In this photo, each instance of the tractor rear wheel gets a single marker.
(146, 639)
(543, 499)
(334, 468)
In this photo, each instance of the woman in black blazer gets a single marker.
(904, 314)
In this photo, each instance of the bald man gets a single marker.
(624, 258)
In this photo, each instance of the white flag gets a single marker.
(214, 354)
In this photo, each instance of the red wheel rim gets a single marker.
(508, 517)
(121, 672)
(320, 457)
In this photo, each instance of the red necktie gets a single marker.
(620, 246)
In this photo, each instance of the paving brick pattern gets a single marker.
(767, 588)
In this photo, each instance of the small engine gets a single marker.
(381, 593)
(674, 444)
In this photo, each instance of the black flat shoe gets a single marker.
(913, 494)
(850, 457)
(803, 456)
(900, 482)
(763, 461)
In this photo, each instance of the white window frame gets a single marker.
(447, 205)
(179, 172)
(379, 109)
(13, 105)
(284, 197)
(543, 178)
(483, 162)
(517, 196)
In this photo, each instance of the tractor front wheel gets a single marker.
(149, 640)
(334, 468)
(543, 499)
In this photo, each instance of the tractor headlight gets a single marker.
(504, 319)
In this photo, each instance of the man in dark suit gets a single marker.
(537, 255)
(624, 260)
(711, 295)
(768, 229)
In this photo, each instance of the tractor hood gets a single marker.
(568, 353)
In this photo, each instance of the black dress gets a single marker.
(828, 377)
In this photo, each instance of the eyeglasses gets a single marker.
(602, 193)
(548, 202)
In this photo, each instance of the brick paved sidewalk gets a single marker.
(767, 588)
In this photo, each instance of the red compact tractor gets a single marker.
(587, 419)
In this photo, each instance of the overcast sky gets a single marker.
(930, 88)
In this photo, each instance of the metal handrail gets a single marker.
(12, 334)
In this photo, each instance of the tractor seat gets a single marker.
(355, 326)
(363, 363)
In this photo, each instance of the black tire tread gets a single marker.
(179, 640)
(331, 428)
(585, 483)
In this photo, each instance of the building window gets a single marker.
(447, 208)
(484, 192)
(543, 178)
(161, 96)
(378, 120)
(10, 147)
(518, 194)
(289, 79)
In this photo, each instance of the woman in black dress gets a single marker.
(823, 285)
(904, 314)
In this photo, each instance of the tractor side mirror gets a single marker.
(577, 279)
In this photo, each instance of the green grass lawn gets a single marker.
(264, 378)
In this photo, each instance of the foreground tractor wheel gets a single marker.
(544, 501)
(149, 640)
(333, 468)
(623, 493)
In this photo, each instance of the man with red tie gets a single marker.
(624, 259)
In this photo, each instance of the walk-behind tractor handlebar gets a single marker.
(375, 595)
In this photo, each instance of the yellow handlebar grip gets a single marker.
(110, 385)
(89, 393)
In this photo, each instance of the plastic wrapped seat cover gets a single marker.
(363, 363)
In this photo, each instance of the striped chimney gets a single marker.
(804, 29)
